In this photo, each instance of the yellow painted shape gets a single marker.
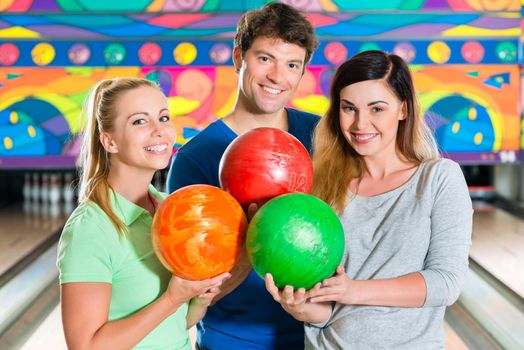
(472, 113)
(316, 104)
(155, 6)
(181, 106)
(185, 53)
(465, 30)
(456, 127)
(478, 138)
(31, 131)
(328, 5)
(439, 52)
(43, 54)
(228, 106)
(8, 142)
(18, 33)
(13, 117)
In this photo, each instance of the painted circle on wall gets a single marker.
(220, 53)
(185, 53)
(43, 54)
(472, 52)
(114, 53)
(406, 51)
(9, 54)
(439, 52)
(79, 53)
(506, 51)
(149, 53)
(335, 52)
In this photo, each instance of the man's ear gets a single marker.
(106, 139)
(237, 58)
(403, 111)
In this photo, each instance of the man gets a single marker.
(272, 47)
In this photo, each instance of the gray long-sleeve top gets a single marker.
(424, 225)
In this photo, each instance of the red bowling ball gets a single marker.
(264, 163)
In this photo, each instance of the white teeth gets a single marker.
(271, 91)
(155, 148)
(364, 137)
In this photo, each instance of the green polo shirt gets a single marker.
(91, 250)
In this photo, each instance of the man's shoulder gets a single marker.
(304, 116)
(210, 137)
(301, 122)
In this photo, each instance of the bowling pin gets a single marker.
(67, 190)
(44, 188)
(27, 189)
(54, 190)
(54, 210)
(35, 188)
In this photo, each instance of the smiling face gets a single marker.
(369, 118)
(270, 72)
(143, 134)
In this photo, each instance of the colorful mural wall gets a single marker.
(463, 54)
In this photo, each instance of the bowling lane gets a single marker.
(50, 335)
(26, 226)
(498, 246)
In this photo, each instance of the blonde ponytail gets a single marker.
(94, 161)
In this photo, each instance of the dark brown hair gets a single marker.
(335, 162)
(276, 20)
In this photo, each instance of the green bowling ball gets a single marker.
(297, 238)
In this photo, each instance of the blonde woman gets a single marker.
(115, 293)
(406, 214)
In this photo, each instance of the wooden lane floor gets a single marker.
(50, 335)
(24, 227)
(498, 246)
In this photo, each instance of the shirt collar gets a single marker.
(127, 211)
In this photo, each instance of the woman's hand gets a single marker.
(336, 288)
(296, 302)
(181, 290)
(292, 301)
(206, 298)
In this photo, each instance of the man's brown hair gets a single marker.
(276, 20)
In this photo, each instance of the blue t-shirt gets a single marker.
(248, 317)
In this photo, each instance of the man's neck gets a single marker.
(242, 121)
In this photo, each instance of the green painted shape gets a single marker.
(78, 98)
(399, 19)
(412, 5)
(152, 76)
(24, 118)
(368, 47)
(381, 5)
(180, 33)
(92, 21)
(210, 5)
(297, 238)
(68, 5)
(104, 5)
(506, 51)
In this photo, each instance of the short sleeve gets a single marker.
(85, 250)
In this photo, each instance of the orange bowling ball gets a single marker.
(199, 231)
